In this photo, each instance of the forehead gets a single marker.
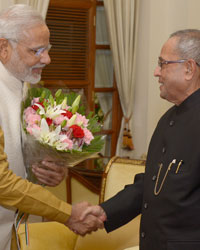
(37, 35)
(168, 50)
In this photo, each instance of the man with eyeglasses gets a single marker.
(24, 47)
(168, 194)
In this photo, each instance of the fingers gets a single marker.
(91, 224)
(54, 166)
(49, 173)
(86, 218)
(94, 210)
(47, 177)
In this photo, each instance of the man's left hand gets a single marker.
(50, 173)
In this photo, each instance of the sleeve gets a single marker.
(125, 205)
(26, 196)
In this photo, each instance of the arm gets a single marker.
(125, 205)
(28, 197)
(121, 208)
(34, 199)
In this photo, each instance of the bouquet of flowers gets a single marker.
(57, 127)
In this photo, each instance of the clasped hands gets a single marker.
(85, 218)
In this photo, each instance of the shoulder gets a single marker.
(166, 116)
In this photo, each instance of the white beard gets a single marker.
(21, 71)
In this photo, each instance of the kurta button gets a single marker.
(145, 205)
(171, 123)
(143, 234)
(164, 150)
(154, 178)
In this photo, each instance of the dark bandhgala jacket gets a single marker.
(168, 194)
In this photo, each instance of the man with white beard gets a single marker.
(24, 47)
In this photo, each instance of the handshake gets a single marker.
(85, 218)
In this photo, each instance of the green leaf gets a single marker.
(75, 104)
(96, 144)
(94, 126)
(63, 124)
(43, 95)
(81, 110)
(72, 99)
(58, 92)
(51, 99)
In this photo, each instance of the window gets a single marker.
(81, 59)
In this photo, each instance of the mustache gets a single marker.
(38, 66)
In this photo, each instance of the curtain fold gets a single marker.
(122, 19)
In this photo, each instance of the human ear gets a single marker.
(190, 69)
(4, 50)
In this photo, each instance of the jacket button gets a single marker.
(143, 234)
(154, 178)
(171, 123)
(164, 150)
(145, 205)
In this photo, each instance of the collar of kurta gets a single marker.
(189, 102)
(9, 80)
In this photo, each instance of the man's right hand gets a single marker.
(86, 218)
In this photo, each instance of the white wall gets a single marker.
(158, 19)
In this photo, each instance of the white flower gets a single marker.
(60, 145)
(44, 135)
(51, 112)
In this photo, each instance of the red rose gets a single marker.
(49, 121)
(35, 107)
(77, 131)
(67, 113)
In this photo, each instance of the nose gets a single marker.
(45, 58)
(157, 71)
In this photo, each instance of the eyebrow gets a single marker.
(160, 58)
(42, 46)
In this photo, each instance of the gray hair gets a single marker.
(188, 44)
(16, 20)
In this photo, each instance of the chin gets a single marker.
(35, 82)
(163, 96)
(33, 79)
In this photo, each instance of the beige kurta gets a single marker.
(10, 101)
(26, 196)
(10, 108)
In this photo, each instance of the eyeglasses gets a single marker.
(37, 52)
(40, 51)
(161, 61)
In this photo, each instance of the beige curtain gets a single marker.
(39, 5)
(157, 20)
(122, 18)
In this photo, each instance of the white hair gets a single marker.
(17, 19)
(188, 44)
